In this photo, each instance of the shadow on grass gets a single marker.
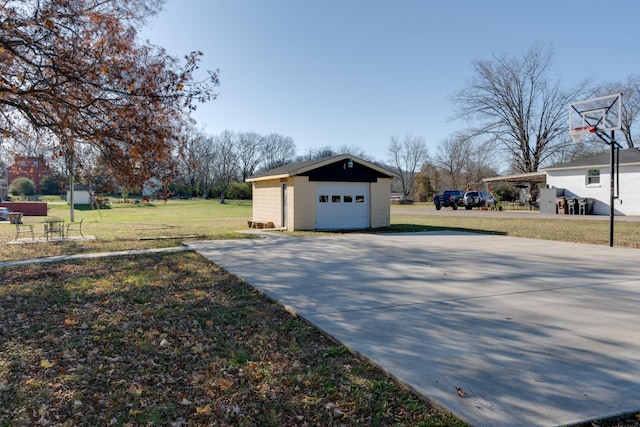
(84, 207)
(413, 228)
(77, 207)
(416, 228)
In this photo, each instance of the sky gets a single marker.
(357, 72)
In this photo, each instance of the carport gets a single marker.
(529, 184)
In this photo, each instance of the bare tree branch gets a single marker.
(407, 157)
(630, 90)
(519, 110)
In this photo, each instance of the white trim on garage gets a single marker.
(342, 205)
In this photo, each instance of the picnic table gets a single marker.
(53, 226)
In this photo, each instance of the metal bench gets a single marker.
(53, 226)
(75, 226)
(24, 229)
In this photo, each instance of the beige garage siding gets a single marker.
(267, 205)
(301, 203)
(380, 211)
(304, 206)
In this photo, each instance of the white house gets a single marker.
(82, 195)
(590, 178)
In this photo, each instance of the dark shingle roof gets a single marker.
(631, 155)
(297, 168)
(291, 168)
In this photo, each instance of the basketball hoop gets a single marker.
(577, 134)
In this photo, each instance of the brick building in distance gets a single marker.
(34, 168)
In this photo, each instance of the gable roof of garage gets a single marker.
(627, 157)
(300, 168)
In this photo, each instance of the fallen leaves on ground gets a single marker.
(461, 392)
(171, 339)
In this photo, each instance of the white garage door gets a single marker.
(342, 205)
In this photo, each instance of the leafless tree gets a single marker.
(190, 155)
(353, 150)
(589, 147)
(462, 162)
(328, 151)
(630, 90)
(453, 157)
(225, 165)
(249, 153)
(317, 153)
(277, 150)
(206, 164)
(520, 109)
(407, 156)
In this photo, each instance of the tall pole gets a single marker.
(71, 186)
(612, 195)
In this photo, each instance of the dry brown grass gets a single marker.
(172, 340)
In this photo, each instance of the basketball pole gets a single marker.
(611, 189)
(599, 115)
(614, 167)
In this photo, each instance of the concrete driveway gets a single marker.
(534, 332)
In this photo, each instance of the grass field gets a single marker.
(171, 339)
(626, 234)
(127, 226)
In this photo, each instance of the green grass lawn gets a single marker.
(128, 226)
(171, 339)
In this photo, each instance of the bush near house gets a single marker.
(239, 191)
(50, 185)
(505, 192)
(22, 187)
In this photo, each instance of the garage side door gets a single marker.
(342, 205)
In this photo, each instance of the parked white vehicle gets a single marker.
(478, 199)
(4, 214)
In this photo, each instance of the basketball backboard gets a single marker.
(601, 114)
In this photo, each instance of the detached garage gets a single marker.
(333, 193)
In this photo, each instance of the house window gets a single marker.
(324, 199)
(359, 199)
(35, 163)
(347, 199)
(593, 176)
(335, 199)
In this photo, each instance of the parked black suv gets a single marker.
(450, 198)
